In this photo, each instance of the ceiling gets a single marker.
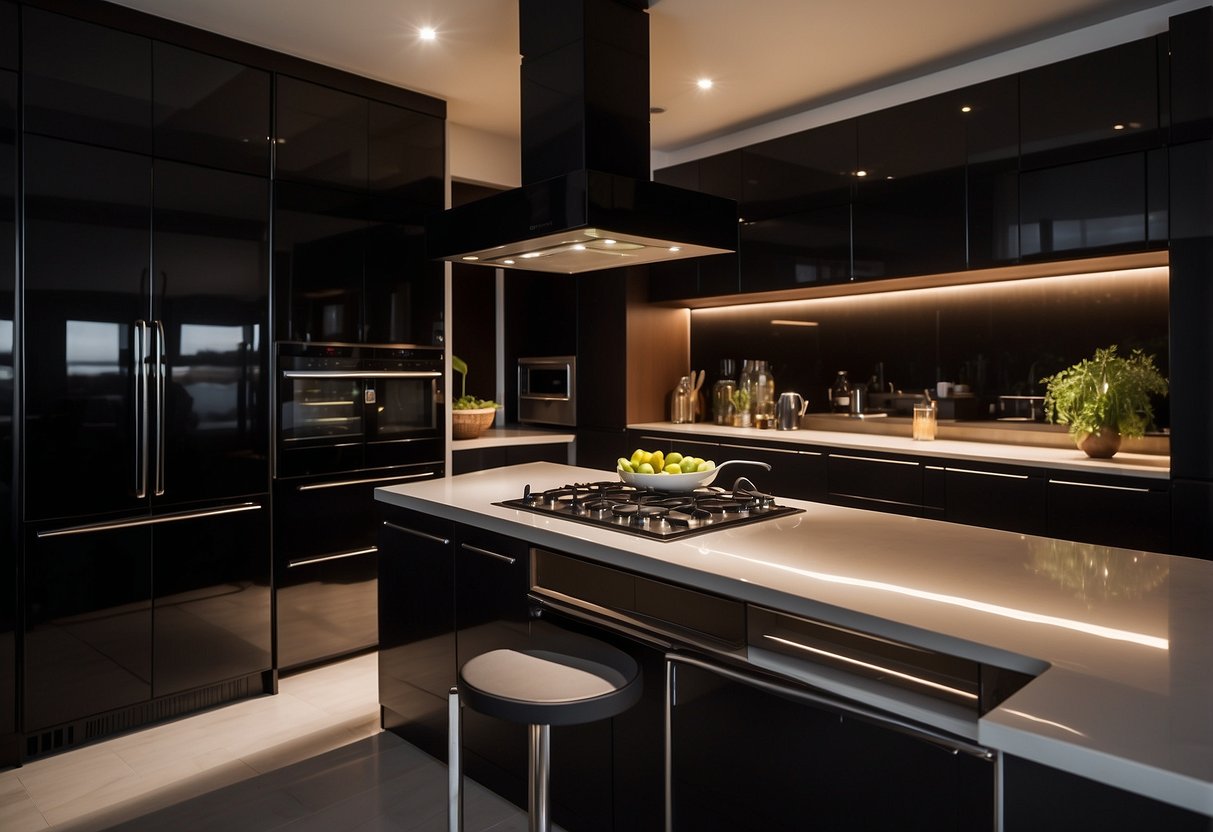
(768, 58)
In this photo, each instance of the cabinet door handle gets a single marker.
(370, 550)
(149, 521)
(987, 473)
(142, 429)
(810, 453)
(679, 440)
(316, 486)
(433, 538)
(1131, 488)
(160, 369)
(874, 459)
(496, 556)
(765, 450)
(361, 374)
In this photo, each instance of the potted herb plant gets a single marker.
(470, 416)
(1104, 398)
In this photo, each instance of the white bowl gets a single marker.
(680, 482)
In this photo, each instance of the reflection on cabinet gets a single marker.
(321, 135)
(86, 82)
(210, 111)
(993, 496)
(9, 35)
(416, 627)
(9, 753)
(479, 459)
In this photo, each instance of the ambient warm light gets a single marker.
(579, 247)
(861, 173)
(786, 322)
(704, 83)
(508, 262)
(530, 254)
(471, 257)
(608, 242)
(1118, 127)
(675, 248)
(427, 33)
(966, 109)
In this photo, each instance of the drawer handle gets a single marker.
(810, 453)
(1099, 485)
(338, 556)
(343, 483)
(496, 556)
(875, 459)
(433, 538)
(987, 473)
(764, 449)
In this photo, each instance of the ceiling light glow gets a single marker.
(704, 83)
(427, 33)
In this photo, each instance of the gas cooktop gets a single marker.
(654, 514)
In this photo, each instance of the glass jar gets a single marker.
(763, 396)
(682, 403)
(840, 393)
(722, 393)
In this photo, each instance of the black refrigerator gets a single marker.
(143, 360)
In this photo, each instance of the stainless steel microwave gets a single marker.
(547, 390)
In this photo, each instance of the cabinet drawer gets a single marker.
(1003, 498)
(1131, 513)
(893, 485)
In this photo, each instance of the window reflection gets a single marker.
(213, 373)
(93, 348)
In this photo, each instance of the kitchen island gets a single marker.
(1117, 642)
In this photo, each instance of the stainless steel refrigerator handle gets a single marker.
(880, 718)
(141, 421)
(159, 368)
(149, 521)
(361, 374)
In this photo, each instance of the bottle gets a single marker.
(681, 402)
(763, 396)
(840, 393)
(722, 393)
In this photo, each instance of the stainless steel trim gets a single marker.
(361, 374)
(433, 538)
(539, 397)
(680, 441)
(370, 550)
(875, 459)
(764, 449)
(454, 771)
(802, 694)
(160, 370)
(671, 693)
(600, 616)
(316, 486)
(999, 793)
(1100, 485)
(496, 556)
(149, 521)
(935, 467)
(538, 775)
(142, 425)
(810, 453)
(987, 473)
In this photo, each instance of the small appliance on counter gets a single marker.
(1021, 408)
(788, 410)
(547, 390)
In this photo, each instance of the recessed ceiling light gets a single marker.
(608, 242)
(508, 262)
(579, 247)
(861, 173)
(675, 248)
(704, 83)
(1118, 127)
(427, 33)
(966, 109)
(471, 257)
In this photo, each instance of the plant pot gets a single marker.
(741, 419)
(1101, 445)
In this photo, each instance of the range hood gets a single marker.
(586, 202)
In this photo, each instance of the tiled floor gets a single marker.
(311, 758)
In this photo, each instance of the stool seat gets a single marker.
(542, 686)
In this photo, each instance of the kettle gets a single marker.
(788, 410)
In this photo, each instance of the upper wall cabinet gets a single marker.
(210, 111)
(86, 82)
(321, 135)
(909, 211)
(1190, 81)
(719, 175)
(1101, 104)
(796, 196)
(990, 123)
(406, 155)
(9, 51)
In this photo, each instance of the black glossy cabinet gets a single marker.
(989, 115)
(800, 474)
(479, 459)
(8, 507)
(993, 496)
(86, 82)
(405, 155)
(785, 762)
(796, 194)
(118, 615)
(1190, 76)
(210, 111)
(416, 626)
(1132, 513)
(321, 134)
(10, 37)
(909, 209)
(873, 481)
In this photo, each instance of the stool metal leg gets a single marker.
(454, 769)
(540, 753)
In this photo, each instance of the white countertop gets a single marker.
(1126, 637)
(498, 437)
(1071, 459)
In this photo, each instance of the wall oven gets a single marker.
(346, 407)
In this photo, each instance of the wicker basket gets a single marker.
(469, 424)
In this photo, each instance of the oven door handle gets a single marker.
(854, 709)
(361, 374)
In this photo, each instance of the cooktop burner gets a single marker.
(656, 514)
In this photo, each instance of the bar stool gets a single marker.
(568, 682)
